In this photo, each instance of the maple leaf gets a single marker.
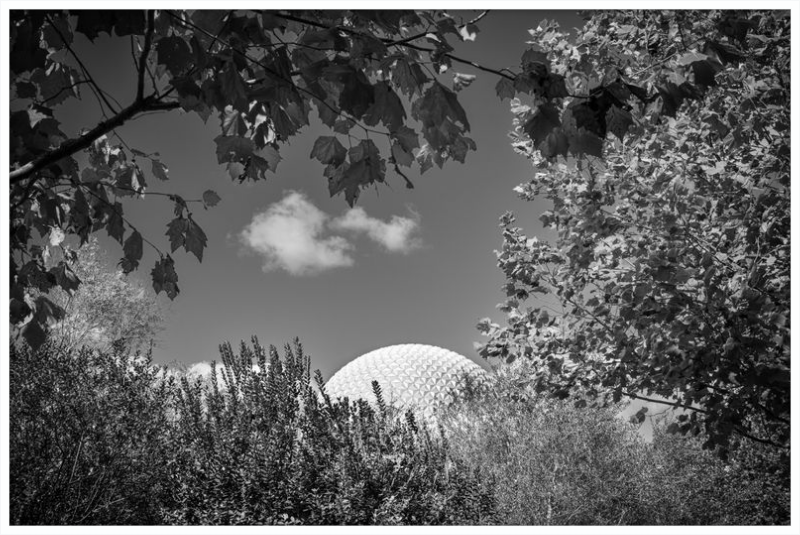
(618, 120)
(387, 108)
(176, 231)
(705, 72)
(196, 239)
(65, 278)
(257, 167)
(160, 170)
(542, 123)
(56, 31)
(210, 198)
(505, 88)
(401, 156)
(234, 87)
(132, 249)
(407, 138)
(165, 279)
(328, 150)
(56, 84)
(535, 62)
(233, 148)
(585, 142)
(174, 53)
(408, 77)
(25, 54)
(115, 225)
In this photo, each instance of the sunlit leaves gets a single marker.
(461, 80)
(669, 281)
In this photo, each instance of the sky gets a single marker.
(285, 260)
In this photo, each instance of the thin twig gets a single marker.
(148, 37)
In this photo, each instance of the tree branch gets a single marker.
(405, 42)
(148, 37)
(71, 146)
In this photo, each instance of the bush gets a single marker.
(107, 438)
(268, 449)
(86, 436)
(555, 464)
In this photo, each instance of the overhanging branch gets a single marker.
(71, 146)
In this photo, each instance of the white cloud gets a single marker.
(397, 236)
(299, 238)
(288, 236)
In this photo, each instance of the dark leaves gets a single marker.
(542, 123)
(165, 279)
(174, 53)
(210, 198)
(132, 249)
(618, 120)
(505, 88)
(328, 150)
(184, 232)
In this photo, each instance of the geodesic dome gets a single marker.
(414, 376)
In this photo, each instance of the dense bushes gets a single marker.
(87, 436)
(96, 442)
(105, 438)
(555, 464)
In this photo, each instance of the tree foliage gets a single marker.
(107, 307)
(382, 82)
(670, 271)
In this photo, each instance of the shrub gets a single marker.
(266, 448)
(86, 436)
(555, 464)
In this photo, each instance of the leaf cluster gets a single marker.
(670, 271)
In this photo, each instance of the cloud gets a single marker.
(299, 238)
(288, 236)
(396, 236)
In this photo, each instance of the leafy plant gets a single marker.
(555, 464)
(107, 307)
(266, 448)
(87, 437)
(670, 271)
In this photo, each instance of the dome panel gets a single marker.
(413, 376)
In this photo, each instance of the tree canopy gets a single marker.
(383, 82)
(670, 271)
